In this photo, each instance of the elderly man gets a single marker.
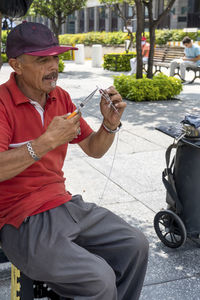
(145, 56)
(79, 249)
(191, 58)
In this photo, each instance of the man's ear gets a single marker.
(16, 65)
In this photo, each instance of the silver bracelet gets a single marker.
(31, 151)
(110, 130)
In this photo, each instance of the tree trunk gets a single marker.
(152, 39)
(152, 36)
(140, 27)
(0, 40)
(153, 24)
(55, 28)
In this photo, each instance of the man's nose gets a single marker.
(53, 63)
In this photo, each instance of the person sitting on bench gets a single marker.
(81, 250)
(191, 58)
(145, 55)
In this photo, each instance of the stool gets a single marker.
(24, 288)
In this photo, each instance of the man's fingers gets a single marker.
(120, 105)
(116, 98)
(111, 90)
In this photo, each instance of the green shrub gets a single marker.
(161, 87)
(65, 39)
(94, 37)
(4, 57)
(167, 35)
(118, 61)
(163, 36)
(117, 38)
(3, 40)
(66, 55)
(61, 66)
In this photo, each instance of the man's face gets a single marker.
(39, 73)
(188, 45)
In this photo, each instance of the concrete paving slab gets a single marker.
(92, 183)
(136, 173)
(155, 200)
(182, 289)
(5, 289)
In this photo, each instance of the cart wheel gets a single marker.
(170, 229)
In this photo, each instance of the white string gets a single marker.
(111, 168)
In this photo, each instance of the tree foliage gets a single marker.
(56, 11)
(117, 5)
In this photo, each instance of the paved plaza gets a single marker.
(134, 190)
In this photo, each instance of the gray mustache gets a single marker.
(52, 75)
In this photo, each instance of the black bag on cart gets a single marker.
(14, 8)
(187, 182)
(181, 178)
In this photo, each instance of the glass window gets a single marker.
(91, 18)
(81, 20)
(197, 6)
(114, 19)
(102, 15)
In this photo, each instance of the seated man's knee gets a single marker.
(104, 281)
(133, 59)
(183, 64)
(173, 64)
(139, 244)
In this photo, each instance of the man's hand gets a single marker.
(185, 58)
(62, 130)
(98, 143)
(111, 116)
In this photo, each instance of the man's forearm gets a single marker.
(192, 58)
(196, 58)
(60, 131)
(15, 161)
(98, 143)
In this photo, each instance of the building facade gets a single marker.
(185, 13)
(98, 17)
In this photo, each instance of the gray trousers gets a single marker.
(133, 64)
(183, 64)
(81, 251)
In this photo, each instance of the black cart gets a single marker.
(181, 178)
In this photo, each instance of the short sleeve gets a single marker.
(5, 129)
(86, 130)
(197, 51)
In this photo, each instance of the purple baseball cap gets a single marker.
(33, 39)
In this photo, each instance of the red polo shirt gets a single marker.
(42, 185)
(145, 48)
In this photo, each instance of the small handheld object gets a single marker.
(107, 98)
(82, 104)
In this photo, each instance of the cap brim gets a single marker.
(51, 51)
